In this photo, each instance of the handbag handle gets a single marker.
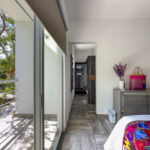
(138, 71)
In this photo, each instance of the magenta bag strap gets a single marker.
(138, 70)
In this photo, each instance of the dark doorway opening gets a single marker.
(84, 70)
(85, 78)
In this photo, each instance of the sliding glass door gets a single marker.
(53, 91)
(16, 77)
(48, 89)
(48, 93)
(32, 119)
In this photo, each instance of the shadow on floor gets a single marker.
(18, 133)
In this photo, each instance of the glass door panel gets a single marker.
(53, 95)
(16, 81)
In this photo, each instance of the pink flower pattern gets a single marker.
(137, 136)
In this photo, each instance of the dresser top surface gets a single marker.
(125, 91)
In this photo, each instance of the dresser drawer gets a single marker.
(135, 109)
(149, 109)
(132, 99)
(149, 100)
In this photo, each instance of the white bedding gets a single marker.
(115, 140)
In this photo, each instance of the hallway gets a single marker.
(85, 131)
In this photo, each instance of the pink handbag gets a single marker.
(138, 80)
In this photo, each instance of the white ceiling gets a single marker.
(84, 46)
(108, 9)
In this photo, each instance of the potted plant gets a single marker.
(120, 71)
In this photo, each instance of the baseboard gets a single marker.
(101, 115)
(46, 116)
(16, 115)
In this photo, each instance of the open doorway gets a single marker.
(84, 55)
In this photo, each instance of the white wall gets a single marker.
(69, 95)
(81, 55)
(51, 79)
(25, 70)
(126, 41)
(24, 67)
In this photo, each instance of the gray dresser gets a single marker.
(129, 102)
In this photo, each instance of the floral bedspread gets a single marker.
(137, 136)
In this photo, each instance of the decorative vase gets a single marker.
(121, 84)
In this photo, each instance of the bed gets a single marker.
(117, 139)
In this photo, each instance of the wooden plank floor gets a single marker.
(85, 131)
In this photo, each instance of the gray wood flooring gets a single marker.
(85, 131)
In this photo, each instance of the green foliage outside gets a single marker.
(4, 100)
(7, 53)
